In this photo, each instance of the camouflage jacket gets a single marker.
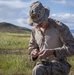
(61, 51)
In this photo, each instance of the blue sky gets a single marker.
(17, 11)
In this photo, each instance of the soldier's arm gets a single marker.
(68, 44)
(32, 45)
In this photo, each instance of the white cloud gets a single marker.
(23, 22)
(15, 3)
(64, 2)
(59, 1)
(66, 18)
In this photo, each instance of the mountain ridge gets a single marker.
(11, 28)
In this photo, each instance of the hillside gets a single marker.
(10, 28)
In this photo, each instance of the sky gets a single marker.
(17, 11)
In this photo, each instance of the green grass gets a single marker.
(71, 61)
(15, 64)
(13, 41)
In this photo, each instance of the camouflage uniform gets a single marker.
(60, 66)
(57, 37)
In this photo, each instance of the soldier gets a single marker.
(51, 42)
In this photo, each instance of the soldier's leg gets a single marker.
(41, 69)
(60, 68)
(54, 68)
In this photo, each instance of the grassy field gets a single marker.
(14, 63)
(13, 41)
(17, 63)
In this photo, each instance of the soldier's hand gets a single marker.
(34, 53)
(45, 53)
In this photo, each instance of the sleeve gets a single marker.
(68, 44)
(32, 45)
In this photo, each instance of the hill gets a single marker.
(10, 28)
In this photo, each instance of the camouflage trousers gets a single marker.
(51, 68)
